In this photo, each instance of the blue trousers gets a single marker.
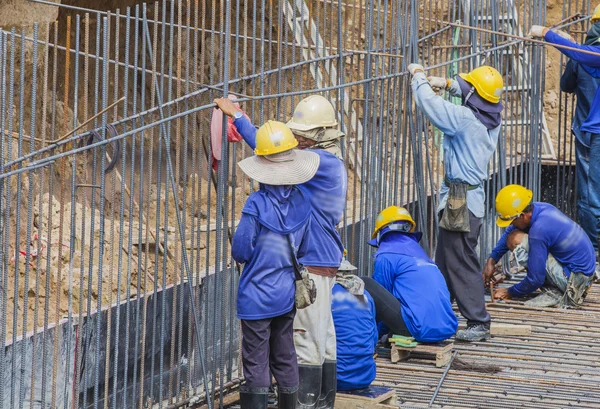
(588, 187)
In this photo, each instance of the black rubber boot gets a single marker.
(310, 386)
(253, 398)
(287, 397)
(328, 385)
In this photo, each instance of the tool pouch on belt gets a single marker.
(306, 290)
(456, 213)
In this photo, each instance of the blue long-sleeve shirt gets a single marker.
(403, 269)
(327, 194)
(591, 64)
(577, 80)
(552, 232)
(468, 145)
(356, 338)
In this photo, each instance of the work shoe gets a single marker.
(309, 390)
(577, 288)
(253, 398)
(328, 385)
(549, 297)
(287, 398)
(474, 332)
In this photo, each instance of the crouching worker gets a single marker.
(549, 232)
(356, 335)
(410, 294)
(274, 219)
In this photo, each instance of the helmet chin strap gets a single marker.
(469, 95)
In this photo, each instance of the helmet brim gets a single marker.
(503, 223)
(298, 168)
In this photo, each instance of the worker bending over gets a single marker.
(274, 219)
(555, 283)
(314, 125)
(410, 294)
(470, 137)
(549, 231)
(353, 312)
(582, 77)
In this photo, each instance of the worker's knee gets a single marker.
(514, 239)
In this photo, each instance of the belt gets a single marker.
(469, 187)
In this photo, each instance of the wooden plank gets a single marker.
(373, 394)
(498, 328)
(348, 403)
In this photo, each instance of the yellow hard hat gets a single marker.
(311, 113)
(392, 214)
(511, 200)
(274, 137)
(487, 82)
(596, 14)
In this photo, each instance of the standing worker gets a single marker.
(410, 294)
(314, 125)
(582, 77)
(353, 312)
(470, 137)
(550, 232)
(279, 212)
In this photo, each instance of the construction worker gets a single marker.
(273, 219)
(353, 312)
(470, 137)
(410, 294)
(314, 125)
(549, 231)
(584, 80)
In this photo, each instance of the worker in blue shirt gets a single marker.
(272, 229)
(420, 306)
(470, 137)
(549, 231)
(314, 125)
(583, 80)
(356, 334)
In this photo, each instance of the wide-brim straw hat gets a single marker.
(291, 167)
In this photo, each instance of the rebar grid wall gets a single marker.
(115, 220)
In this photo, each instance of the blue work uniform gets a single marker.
(405, 270)
(267, 284)
(550, 232)
(577, 79)
(356, 338)
(468, 144)
(326, 192)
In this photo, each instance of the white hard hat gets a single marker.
(311, 113)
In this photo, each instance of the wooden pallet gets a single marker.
(441, 352)
(373, 397)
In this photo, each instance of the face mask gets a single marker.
(521, 255)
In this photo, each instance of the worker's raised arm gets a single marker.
(536, 269)
(444, 115)
(244, 239)
(241, 122)
(583, 58)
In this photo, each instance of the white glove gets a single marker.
(438, 83)
(564, 35)
(537, 31)
(414, 68)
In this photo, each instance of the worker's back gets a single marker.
(356, 338)
(405, 270)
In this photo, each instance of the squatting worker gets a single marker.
(582, 77)
(314, 125)
(470, 137)
(353, 312)
(549, 232)
(410, 294)
(274, 218)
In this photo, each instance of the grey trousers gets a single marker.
(457, 258)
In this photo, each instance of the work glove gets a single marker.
(414, 68)
(537, 31)
(438, 83)
(564, 35)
